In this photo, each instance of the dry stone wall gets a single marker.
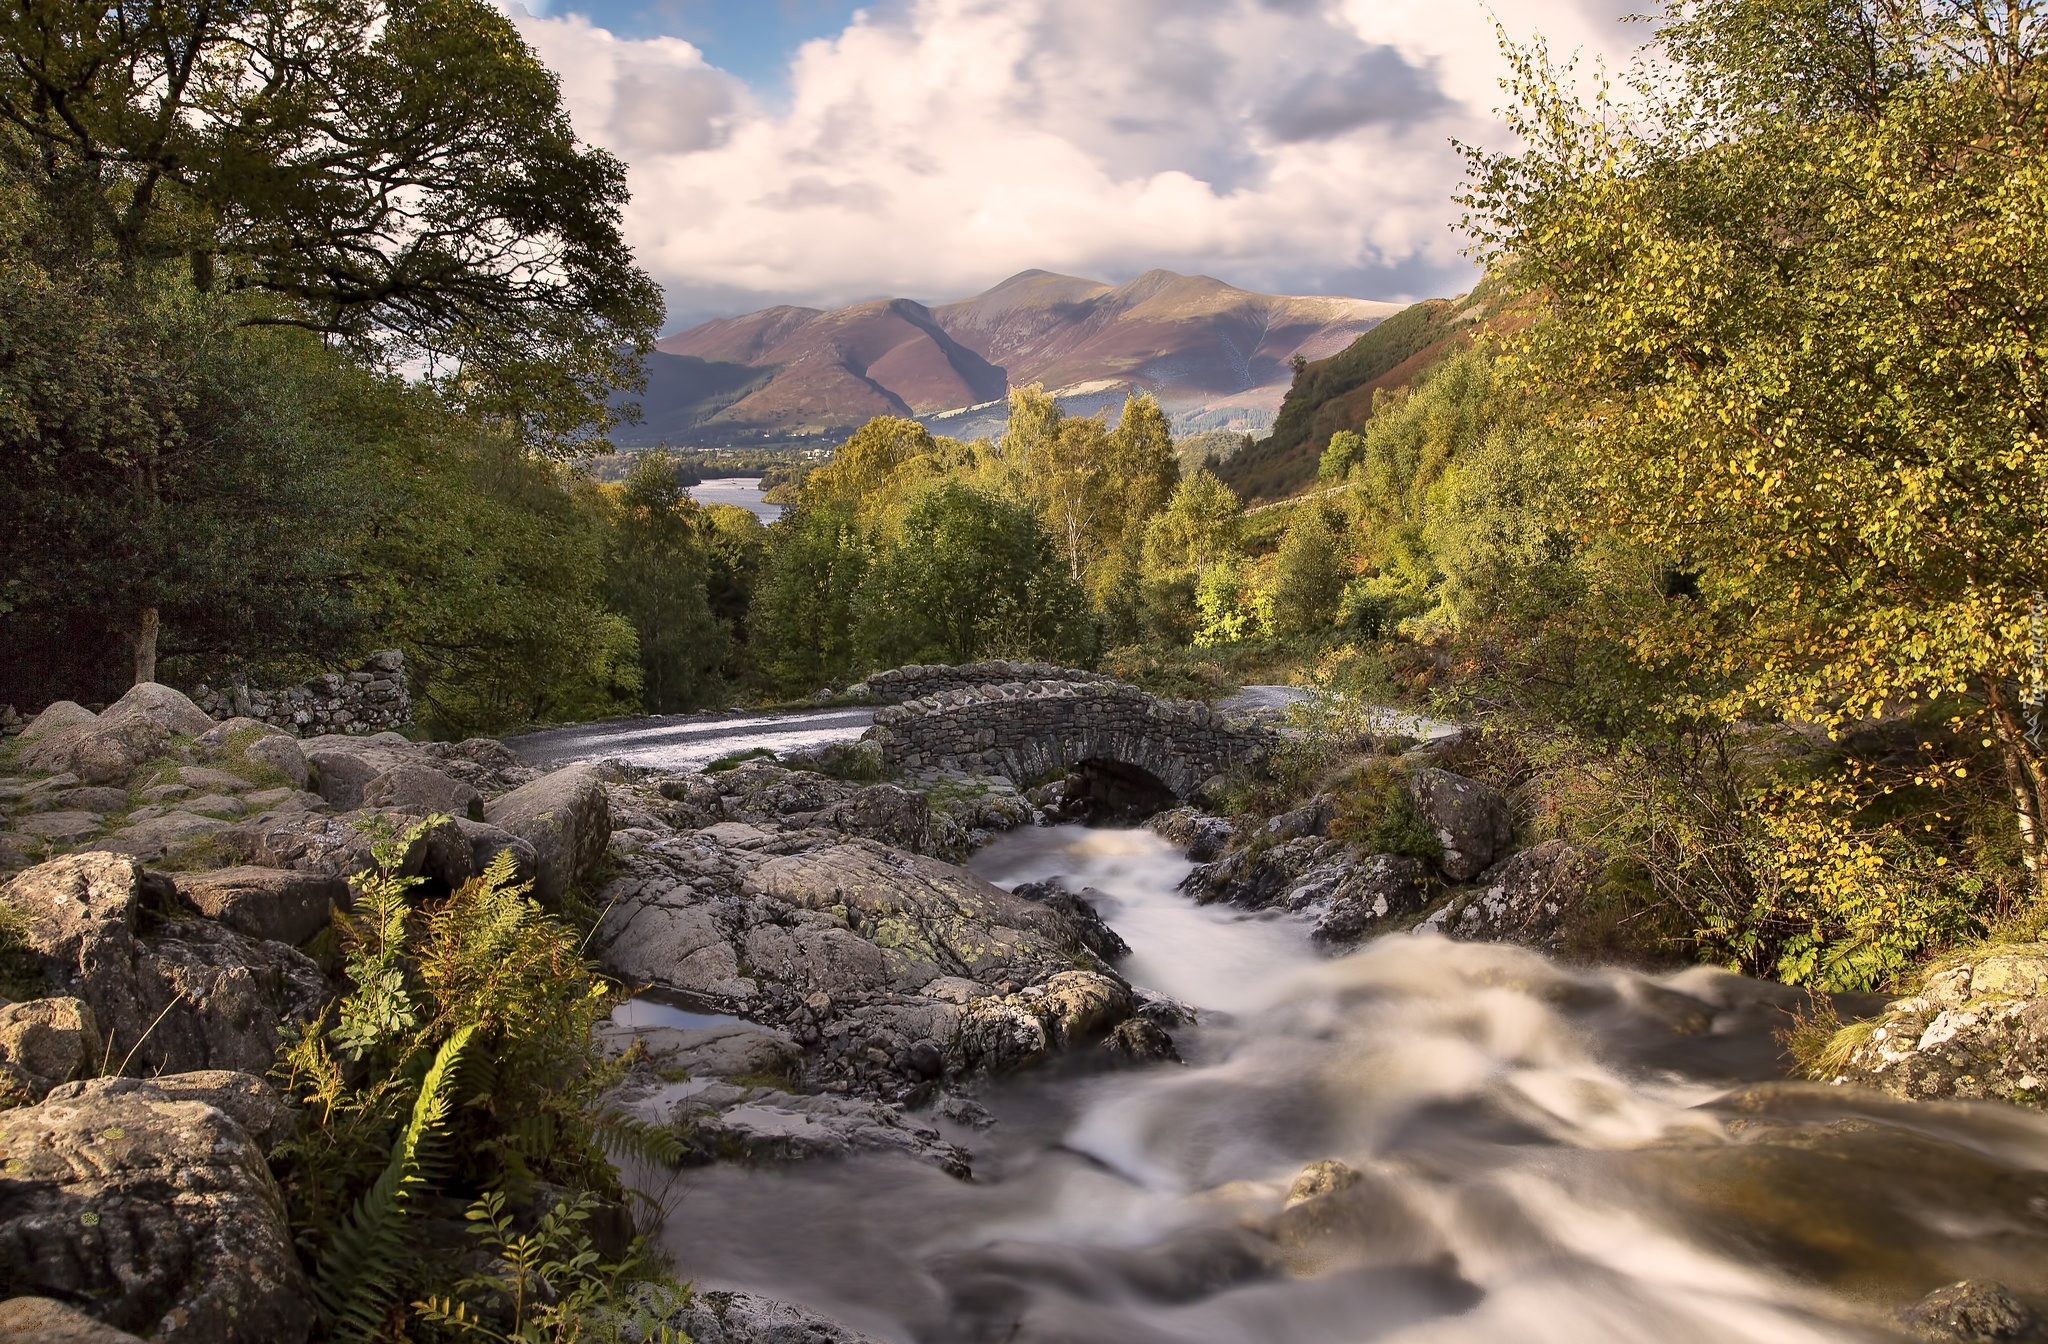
(1033, 730)
(372, 699)
(901, 685)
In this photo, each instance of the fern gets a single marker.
(359, 1277)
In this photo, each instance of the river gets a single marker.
(745, 491)
(1544, 1154)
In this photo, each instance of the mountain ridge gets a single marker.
(1209, 350)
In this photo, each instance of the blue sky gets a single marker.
(931, 148)
(753, 39)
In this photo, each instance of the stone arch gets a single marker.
(1030, 731)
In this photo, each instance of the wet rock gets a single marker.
(45, 1043)
(1973, 1312)
(1321, 1178)
(1367, 897)
(725, 1120)
(738, 1050)
(1090, 929)
(1078, 1006)
(1469, 818)
(1527, 898)
(274, 903)
(1260, 875)
(189, 995)
(413, 787)
(42, 1320)
(999, 1036)
(742, 1318)
(566, 817)
(161, 1213)
(1139, 1040)
(1977, 1030)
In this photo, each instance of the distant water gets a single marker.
(744, 491)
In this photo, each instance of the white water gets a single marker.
(1542, 1154)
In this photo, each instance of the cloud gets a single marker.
(937, 146)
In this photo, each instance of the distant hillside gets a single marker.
(1336, 393)
(1215, 355)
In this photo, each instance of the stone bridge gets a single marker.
(900, 685)
(1032, 731)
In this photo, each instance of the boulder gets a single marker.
(486, 842)
(742, 1318)
(1469, 818)
(1977, 1030)
(1370, 895)
(104, 751)
(413, 787)
(260, 1109)
(42, 1320)
(881, 812)
(1080, 1005)
(307, 841)
(169, 709)
(159, 1212)
(1527, 898)
(282, 754)
(239, 729)
(44, 1043)
(1974, 1312)
(730, 1050)
(192, 995)
(273, 903)
(154, 837)
(999, 1035)
(59, 716)
(1089, 928)
(566, 817)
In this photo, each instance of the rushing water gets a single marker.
(1545, 1155)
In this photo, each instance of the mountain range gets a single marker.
(1216, 356)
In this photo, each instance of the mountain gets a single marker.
(1215, 355)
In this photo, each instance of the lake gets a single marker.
(744, 491)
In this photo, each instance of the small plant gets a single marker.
(1374, 809)
(547, 1286)
(738, 759)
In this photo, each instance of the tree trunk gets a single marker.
(2025, 775)
(145, 647)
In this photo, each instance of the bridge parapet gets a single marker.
(900, 685)
(1034, 730)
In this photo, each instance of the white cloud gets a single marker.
(1290, 144)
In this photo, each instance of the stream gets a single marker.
(1543, 1154)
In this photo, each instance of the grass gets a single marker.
(21, 970)
(738, 759)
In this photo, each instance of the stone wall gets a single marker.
(902, 684)
(372, 699)
(1034, 730)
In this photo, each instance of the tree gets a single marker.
(970, 576)
(1198, 527)
(801, 616)
(398, 173)
(1789, 320)
(656, 570)
(1308, 573)
(860, 476)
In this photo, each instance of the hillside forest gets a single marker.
(1716, 506)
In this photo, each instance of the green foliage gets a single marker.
(1375, 809)
(969, 576)
(738, 759)
(471, 1068)
(547, 1286)
(402, 174)
(657, 567)
(801, 618)
(1308, 574)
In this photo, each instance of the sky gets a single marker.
(819, 153)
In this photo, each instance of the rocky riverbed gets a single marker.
(1206, 1081)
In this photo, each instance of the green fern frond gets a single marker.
(625, 1136)
(359, 1278)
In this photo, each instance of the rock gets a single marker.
(734, 1050)
(882, 812)
(59, 828)
(239, 729)
(998, 1036)
(154, 837)
(1089, 928)
(193, 995)
(566, 817)
(43, 1043)
(1526, 898)
(260, 1109)
(486, 842)
(342, 846)
(1365, 899)
(742, 1318)
(1973, 1312)
(274, 903)
(1321, 1178)
(203, 779)
(1138, 1040)
(160, 705)
(1977, 1030)
(42, 1320)
(1470, 819)
(161, 1212)
(1310, 819)
(91, 799)
(1199, 834)
(418, 788)
(781, 1127)
(1080, 1005)
(214, 805)
(281, 754)
(59, 716)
